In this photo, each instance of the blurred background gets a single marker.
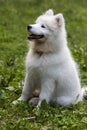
(15, 15)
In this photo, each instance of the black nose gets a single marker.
(29, 27)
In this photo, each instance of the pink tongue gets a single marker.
(33, 36)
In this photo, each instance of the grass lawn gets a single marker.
(15, 15)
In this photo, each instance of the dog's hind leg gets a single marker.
(64, 101)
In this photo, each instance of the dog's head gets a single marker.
(46, 25)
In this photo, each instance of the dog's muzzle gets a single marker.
(33, 36)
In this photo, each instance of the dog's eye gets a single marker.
(42, 26)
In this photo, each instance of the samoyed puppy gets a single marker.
(50, 67)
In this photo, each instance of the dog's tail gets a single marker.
(84, 93)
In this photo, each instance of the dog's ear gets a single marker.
(60, 19)
(49, 12)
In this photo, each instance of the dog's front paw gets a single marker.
(34, 101)
(15, 102)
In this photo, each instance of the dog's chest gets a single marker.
(36, 71)
(41, 67)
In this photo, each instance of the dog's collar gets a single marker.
(40, 53)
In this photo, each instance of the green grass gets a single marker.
(14, 17)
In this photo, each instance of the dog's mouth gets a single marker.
(35, 37)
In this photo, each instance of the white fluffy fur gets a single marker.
(55, 72)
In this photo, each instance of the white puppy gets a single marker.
(49, 64)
